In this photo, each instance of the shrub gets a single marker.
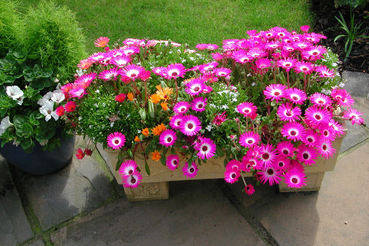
(10, 26)
(50, 46)
(53, 38)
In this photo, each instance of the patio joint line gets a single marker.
(258, 228)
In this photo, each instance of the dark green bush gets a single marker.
(53, 38)
(10, 26)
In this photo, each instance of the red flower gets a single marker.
(60, 111)
(80, 154)
(70, 106)
(120, 97)
(88, 152)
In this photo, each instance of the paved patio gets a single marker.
(83, 205)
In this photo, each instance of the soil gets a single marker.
(326, 23)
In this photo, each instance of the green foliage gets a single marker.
(47, 51)
(351, 32)
(53, 38)
(10, 26)
(351, 3)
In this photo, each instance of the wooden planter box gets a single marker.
(156, 186)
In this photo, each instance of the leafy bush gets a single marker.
(53, 38)
(10, 26)
(48, 48)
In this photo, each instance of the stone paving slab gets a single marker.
(197, 214)
(337, 215)
(37, 243)
(356, 83)
(80, 187)
(14, 226)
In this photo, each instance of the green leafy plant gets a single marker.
(10, 26)
(351, 32)
(32, 71)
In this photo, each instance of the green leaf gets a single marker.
(147, 168)
(22, 126)
(151, 109)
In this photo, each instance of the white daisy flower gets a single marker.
(48, 112)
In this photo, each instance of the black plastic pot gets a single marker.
(39, 162)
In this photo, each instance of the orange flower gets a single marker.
(155, 98)
(157, 130)
(164, 93)
(145, 132)
(130, 96)
(155, 155)
(137, 139)
(164, 105)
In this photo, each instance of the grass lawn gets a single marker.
(191, 21)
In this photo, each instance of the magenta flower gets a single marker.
(116, 140)
(120, 61)
(316, 116)
(286, 148)
(167, 138)
(310, 138)
(206, 68)
(342, 97)
(241, 56)
(267, 154)
(181, 107)
(85, 80)
(263, 63)
(325, 148)
(304, 67)
(305, 28)
(288, 113)
(325, 72)
(198, 104)
(190, 171)
(131, 72)
(110, 74)
(128, 168)
(249, 189)
(174, 71)
(295, 95)
(293, 131)
(286, 64)
(195, 87)
(354, 116)
(222, 72)
(270, 174)
(337, 128)
(231, 176)
(172, 162)
(248, 109)
(190, 125)
(233, 165)
(175, 121)
(249, 139)
(275, 92)
(295, 178)
(133, 180)
(130, 50)
(281, 162)
(320, 100)
(220, 118)
(207, 149)
(306, 154)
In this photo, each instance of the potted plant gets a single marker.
(270, 106)
(43, 47)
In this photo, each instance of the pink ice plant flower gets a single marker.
(181, 107)
(286, 112)
(295, 178)
(295, 95)
(281, 162)
(233, 165)
(267, 154)
(241, 56)
(325, 72)
(316, 116)
(287, 63)
(167, 138)
(342, 97)
(220, 118)
(195, 87)
(101, 42)
(304, 67)
(249, 189)
(175, 121)
(128, 168)
(231, 176)
(310, 138)
(263, 63)
(198, 104)
(131, 72)
(247, 109)
(190, 171)
(85, 80)
(222, 72)
(120, 61)
(133, 180)
(110, 74)
(206, 148)
(190, 125)
(306, 154)
(270, 174)
(286, 148)
(324, 146)
(354, 116)
(275, 92)
(116, 140)
(320, 100)
(172, 162)
(337, 128)
(293, 131)
(249, 139)
(174, 71)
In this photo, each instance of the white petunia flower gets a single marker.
(209, 127)
(14, 92)
(48, 112)
(46, 99)
(58, 96)
(5, 124)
